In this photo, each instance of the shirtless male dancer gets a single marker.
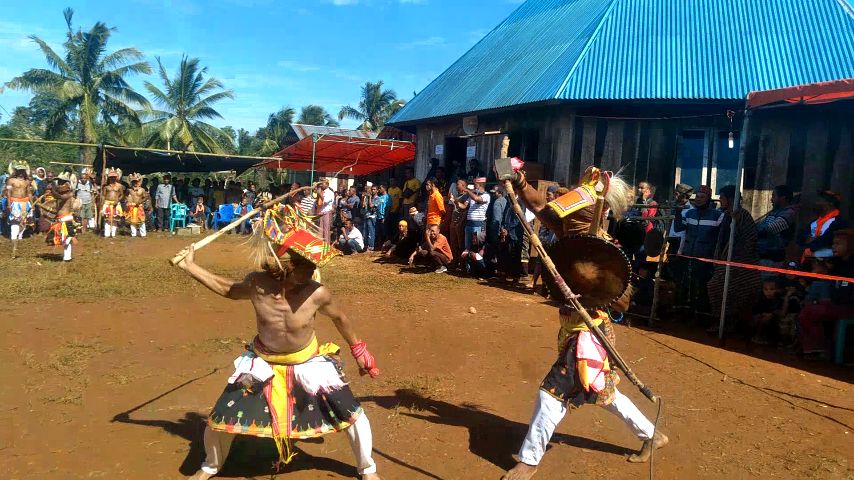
(63, 231)
(114, 192)
(19, 193)
(287, 386)
(137, 196)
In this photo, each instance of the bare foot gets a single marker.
(642, 456)
(371, 476)
(522, 471)
(201, 475)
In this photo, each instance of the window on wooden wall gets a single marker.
(705, 158)
(692, 158)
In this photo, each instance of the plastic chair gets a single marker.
(178, 215)
(841, 329)
(223, 216)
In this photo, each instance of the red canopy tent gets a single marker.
(343, 154)
(813, 93)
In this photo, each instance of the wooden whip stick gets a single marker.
(572, 299)
(231, 226)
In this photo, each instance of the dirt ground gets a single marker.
(110, 366)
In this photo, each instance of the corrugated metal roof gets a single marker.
(644, 50)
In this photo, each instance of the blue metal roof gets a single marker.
(644, 50)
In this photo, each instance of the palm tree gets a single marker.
(273, 135)
(375, 107)
(88, 82)
(316, 115)
(186, 103)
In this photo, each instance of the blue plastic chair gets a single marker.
(841, 329)
(223, 216)
(178, 215)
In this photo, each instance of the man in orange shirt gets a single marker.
(435, 205)
(436, 248)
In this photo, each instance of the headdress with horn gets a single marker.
(285, 230)
(16, 165)
(134, 177)
(115, 173)
(88, 171)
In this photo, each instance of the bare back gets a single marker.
(285, 318)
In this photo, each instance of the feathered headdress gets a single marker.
(134, 177)
(114, 173)
(15, 165)
(285, 230)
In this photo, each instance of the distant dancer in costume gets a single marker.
(19, 207)
(582, 373)
(63, 231)
(112, 211)
(287, 386)
(137, 199)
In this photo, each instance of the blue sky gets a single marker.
(271, 53)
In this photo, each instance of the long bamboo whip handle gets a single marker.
(572, 299)
(231, 226)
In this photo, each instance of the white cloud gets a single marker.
(424, 42)
(297, 66)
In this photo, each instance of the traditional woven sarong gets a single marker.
(61, 230)
(307, 397)
(135, 214)
(582, 372)
(21, 209)
(111, 210)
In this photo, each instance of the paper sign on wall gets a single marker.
(440, 149)
(471, 151)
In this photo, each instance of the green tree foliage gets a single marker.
(376, 106)
(316, 115)
(86, 83)
(185, 104)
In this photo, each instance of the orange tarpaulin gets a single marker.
(813, 93)
(340, 153)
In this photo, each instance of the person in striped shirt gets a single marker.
(478, 203)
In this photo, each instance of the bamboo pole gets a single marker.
(100, 202)
(231, 226)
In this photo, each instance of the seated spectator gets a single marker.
(416, 221)
(819, 238)
(767, 313)
(199, 213)
(403, 243)
(777, 229)
(242, 209)
(792, 304)
(819, 315)
(435, 249)
(474, 260)
(350, 241)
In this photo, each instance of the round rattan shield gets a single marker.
(594, 268)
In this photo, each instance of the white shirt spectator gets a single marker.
(328, 201)
(477, 211)
(356, 235)
(164, 195)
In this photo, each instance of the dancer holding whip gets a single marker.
(599, 273)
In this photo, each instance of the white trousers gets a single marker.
(134, 229)
(66, 251)
(16, 232)
(109, 230)
(218, 444)
(91, 223)
(549, 411)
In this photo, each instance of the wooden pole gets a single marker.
(100, 202)
(231, 226)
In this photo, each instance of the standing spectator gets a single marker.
(394, 214)
(251, 193)
(547, 238)
(325, 208)
(431, 174)
(777, 229)
(681, 200)
(676, 267)
(164, 196)
(350, 241)
(416, 221)
(381, 204)
(701, 225)
(86, 192)
(242, 209)
(352, 202)
(510, 248)
(194, 193)
(478, 203)
(218, 195)
(40, 178)
(370, 211)
(475, 171)
(411, 188)
(819, 239)
(233, 193)
(435, 205)
(435, 248)
(459, 203)
(647, 198)
(744, 284)
(307, 202)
